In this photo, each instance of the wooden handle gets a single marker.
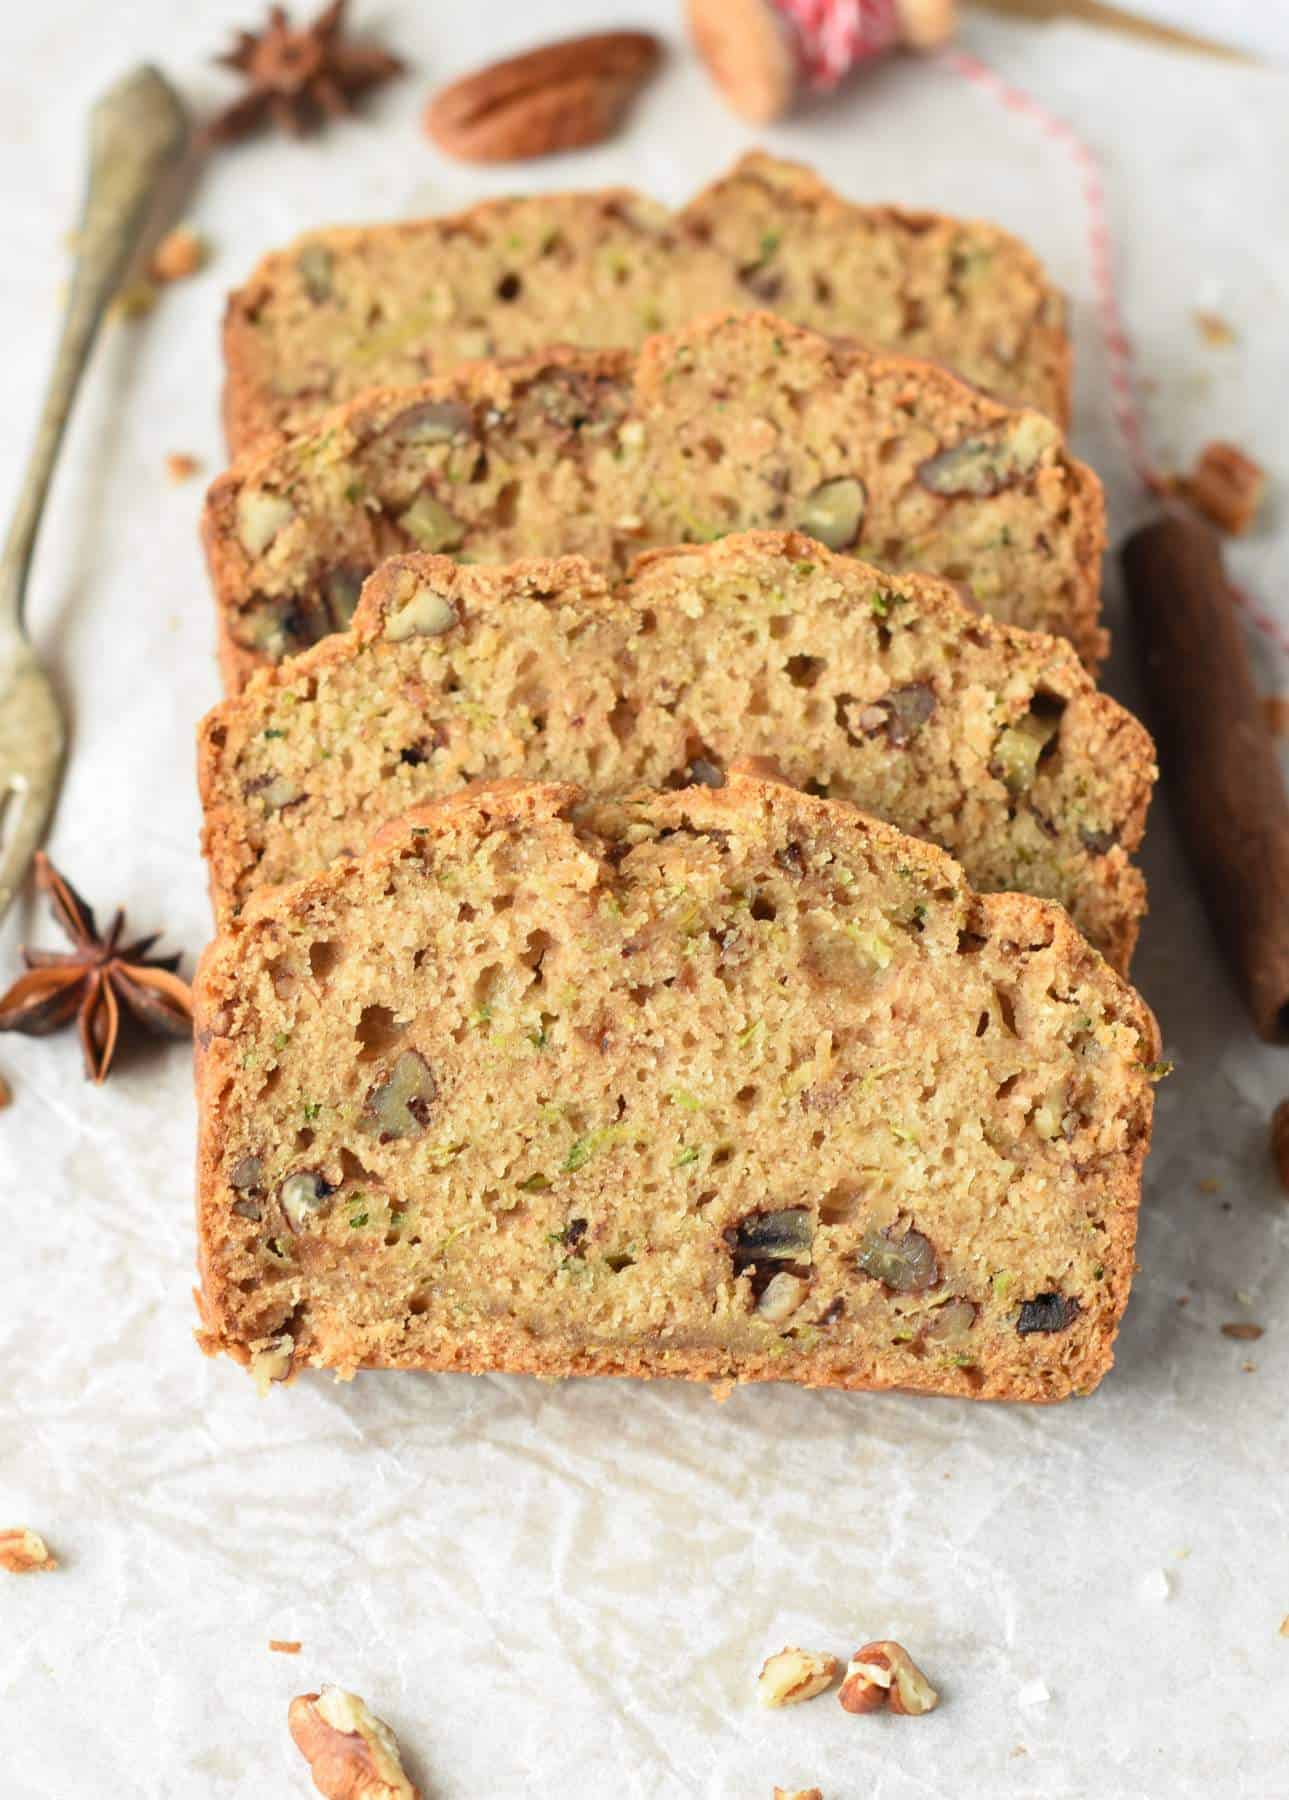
(1216, 752)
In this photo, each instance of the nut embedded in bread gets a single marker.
(734, 423)
(509, 277)
(729, 1084)
(883, 690)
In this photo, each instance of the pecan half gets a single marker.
(562, 97)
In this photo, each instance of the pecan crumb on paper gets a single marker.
(180, 253)
(286, 1646)
(24, 1552)
(792, 1675)
(1213, 328)
(1225, 485)
(180, 466)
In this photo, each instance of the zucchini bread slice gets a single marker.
(883, 690)
(736, 1084)
(385, 305)
(733, 423)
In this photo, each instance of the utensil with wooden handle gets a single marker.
(138, 132)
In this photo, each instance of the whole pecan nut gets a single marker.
(561, 97)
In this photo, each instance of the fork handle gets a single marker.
(138, 131)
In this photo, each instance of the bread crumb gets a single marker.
(6, 1094)
(1213, 328)
(180, 466)
(286, 1646)
(1284, 1626)
(180, 253)
(1247, 1334)
(1209, 1186)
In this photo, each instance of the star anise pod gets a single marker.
(91, 981)
(298, 75)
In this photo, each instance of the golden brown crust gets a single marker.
(967, 294)
(1029, 943)
(1070, 837)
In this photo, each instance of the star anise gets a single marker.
(91, 981)
(298, 74)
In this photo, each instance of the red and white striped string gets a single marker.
(1117, 344)
(835, 36)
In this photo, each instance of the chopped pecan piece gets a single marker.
(1047, 1312)
(903, 1261)
(834, 512)
(988, 463)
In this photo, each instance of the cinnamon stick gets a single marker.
(1216, 752)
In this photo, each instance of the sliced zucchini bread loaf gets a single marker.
(732, 423)
(879, 689)
(386, 305)
(736, 1084)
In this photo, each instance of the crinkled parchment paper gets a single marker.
(568, 1590)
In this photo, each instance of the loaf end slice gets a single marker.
(883, 690)
(386, 305)
(737, 422)
(731, 1084)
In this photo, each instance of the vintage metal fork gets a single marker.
(138, 132)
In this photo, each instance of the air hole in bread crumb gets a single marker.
(324, 958)
(804, 671)
(764, 908)
(839, 1204)
(510, 286)
(283, 976)
(747, 1097)
(622, 721)
(377, 1031)
(536, 944)
(1007, 1010)
(506, 505)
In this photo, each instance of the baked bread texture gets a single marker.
(883, 690)
(388, 305)
(735, 1084)
(733, 423)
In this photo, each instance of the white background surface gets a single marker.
(569, 1590)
